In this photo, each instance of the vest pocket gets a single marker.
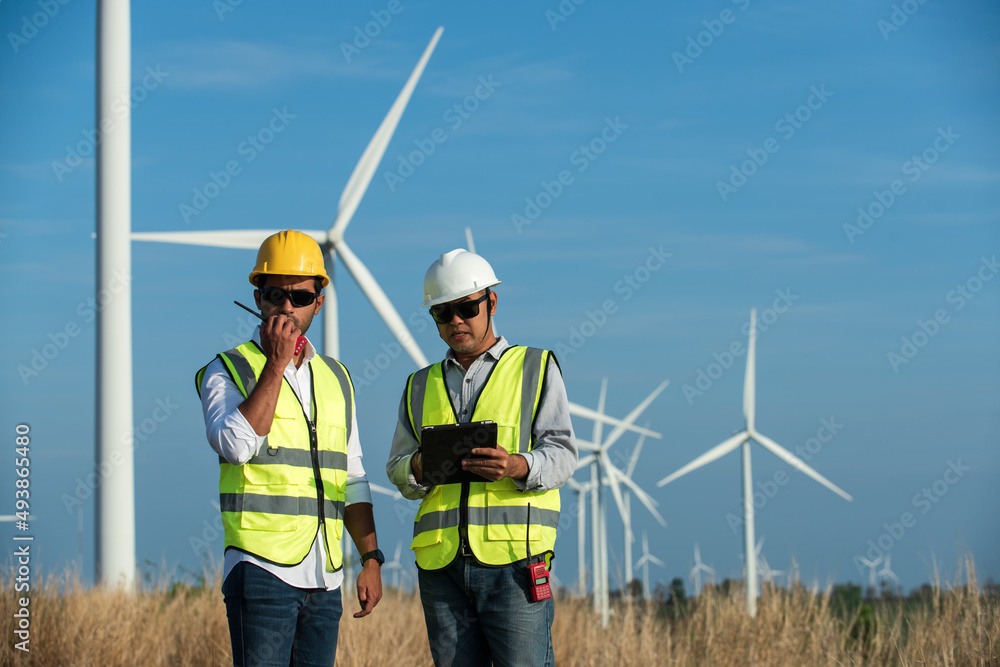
(506, 517)
(270, 507)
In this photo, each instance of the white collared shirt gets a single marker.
(232, 438)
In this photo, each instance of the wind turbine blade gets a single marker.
(719, 450)
(657, 561)
(618, 431)
(599, 425)
(643, 497)
(247, 239)
(635, 455)
(469, 243)
(587, 413)
(587, 445)
(362, 175)
(381, 303)
(585, 461)
(750, 380)
(609, 474)
(796, 462)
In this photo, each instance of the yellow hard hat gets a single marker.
(289, 253)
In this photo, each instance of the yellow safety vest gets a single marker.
(492, 517)
(274, 504)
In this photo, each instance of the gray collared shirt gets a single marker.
(551, 461)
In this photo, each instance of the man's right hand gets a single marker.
(278, 336)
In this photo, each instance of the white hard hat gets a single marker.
(456, 274)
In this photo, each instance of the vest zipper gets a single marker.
(464, 549)
(314, 451)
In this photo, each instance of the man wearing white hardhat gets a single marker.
(483, 548)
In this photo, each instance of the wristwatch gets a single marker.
(377, 555)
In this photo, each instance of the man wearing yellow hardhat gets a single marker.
(283, 423)
(472, 539)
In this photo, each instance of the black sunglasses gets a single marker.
(299, 297)
(445, 312)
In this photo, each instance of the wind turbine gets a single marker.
(396, 567)
(332, 240)
(743, 438)
(698, 568)
(581, 532)
(627, 514)
(766, 573)
(886, 571)
(602, 472)
(872, 566)
(644, 562)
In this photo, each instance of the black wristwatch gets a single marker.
(377, 555)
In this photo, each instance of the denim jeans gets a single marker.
(272, 624)
(478, 615)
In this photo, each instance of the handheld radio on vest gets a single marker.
(538, 574)
(299, 344)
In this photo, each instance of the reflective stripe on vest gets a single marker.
(271, 505)
(497, 512)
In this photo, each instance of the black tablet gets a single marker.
(443, 448)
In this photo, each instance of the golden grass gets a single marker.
(73, 626)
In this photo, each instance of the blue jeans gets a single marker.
(272, 624)
(478, 615)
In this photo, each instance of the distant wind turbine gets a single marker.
(886, 571)
(872, 566)
(743, 438)
(603, 472)
(698, 568)
(644, 562)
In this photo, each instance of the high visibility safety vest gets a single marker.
(274, 504)
(491, 517)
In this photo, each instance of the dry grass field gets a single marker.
(179, 625)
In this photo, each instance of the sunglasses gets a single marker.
(299, 297)
(445, 312)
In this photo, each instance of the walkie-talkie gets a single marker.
(300, 342)
(537, 572)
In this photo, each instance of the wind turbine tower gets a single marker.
(743, 439)
(115, 518)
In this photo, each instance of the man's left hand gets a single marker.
(369, 587)
(494, 463)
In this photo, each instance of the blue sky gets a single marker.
(740, 138)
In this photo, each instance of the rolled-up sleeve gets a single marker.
(553, 458)
(404, 446)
